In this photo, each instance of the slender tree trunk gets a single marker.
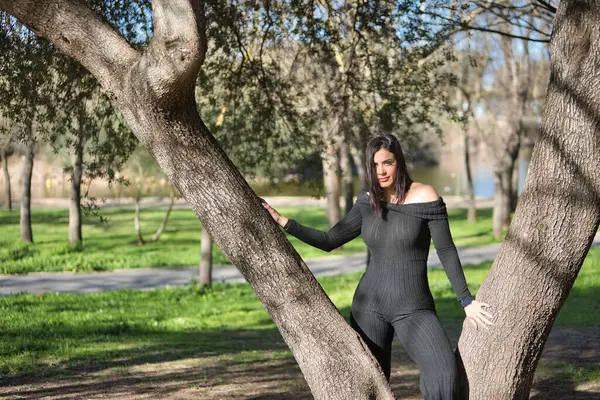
(75, 203)
(163, 224)
(7, 188)
(136, 221)
(515, 186)
(331, 180)
(358, 157)
(205, 273)
(26, 232)
(499, 209)
(154, 89)
(555, 222)
(472, 212)
(507, 195)
(347, 178)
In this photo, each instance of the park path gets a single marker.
(152, 278)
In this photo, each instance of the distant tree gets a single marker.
(143, 165)
(24, 99)
(6, 150)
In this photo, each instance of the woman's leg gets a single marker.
(425, 341)
(377, 334)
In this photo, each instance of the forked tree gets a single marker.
(555, 222)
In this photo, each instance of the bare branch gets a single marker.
(547, 6)
(79, 32)
(510, 35)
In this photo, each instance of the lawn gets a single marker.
(113, 245)
(56, 334)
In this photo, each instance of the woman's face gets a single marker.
(385, 168)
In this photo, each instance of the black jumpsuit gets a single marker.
(393, 294)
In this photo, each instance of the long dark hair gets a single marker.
(403, 180)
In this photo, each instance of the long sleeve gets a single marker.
(446, 251)
(344, 231)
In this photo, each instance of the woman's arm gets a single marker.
(344, 231)
(446, 250)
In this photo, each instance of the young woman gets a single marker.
(398, 218)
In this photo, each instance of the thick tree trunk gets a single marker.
(155, 92)
(205, 273)
(472, 212)
(347, 178)
(26, 232)
(75, 202)
(7, 188)
(555, 221)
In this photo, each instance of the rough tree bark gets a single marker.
(556, 218)
(205, 273)
(25, 217)
(7, 188)
(155, 91)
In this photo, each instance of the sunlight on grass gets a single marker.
(52, 333)
(114, 246)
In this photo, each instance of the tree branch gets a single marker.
(547, 6)
(178, 47)
(80, 33)
(477, 28)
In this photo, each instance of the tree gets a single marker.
(141, 164)
(555, 221)
(154, 89)
(6, 150)
(90, 130)
(24, 94)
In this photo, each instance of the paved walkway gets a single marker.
(151, 278)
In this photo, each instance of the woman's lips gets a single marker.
(384, 179)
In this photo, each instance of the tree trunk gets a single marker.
(75, 203)
(7, 188)
(499, 209)
(555, 222)
(136, 220)
(515, 186)
(332, 184)
(507, 195)
(358, 157)
(205, 273)
(26, 232)
(347, 178)
(154, 88)
(163, 224)
(472, 212)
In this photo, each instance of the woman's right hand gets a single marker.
(281, 220)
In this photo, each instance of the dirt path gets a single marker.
(272, 377)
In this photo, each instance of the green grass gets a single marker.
(55, 333)
(114, 246)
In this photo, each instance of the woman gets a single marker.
(398, 218)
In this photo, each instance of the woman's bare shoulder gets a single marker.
(421, 193)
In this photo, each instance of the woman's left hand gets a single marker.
(477, 315)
